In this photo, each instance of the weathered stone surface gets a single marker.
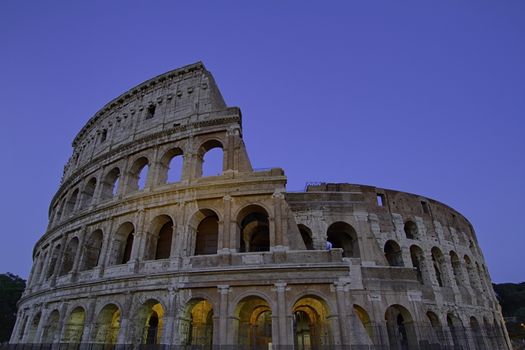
(134, 257)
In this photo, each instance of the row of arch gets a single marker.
(143, 172)
(161, 241)
(411, 230)
(462, 273)
(252, 324)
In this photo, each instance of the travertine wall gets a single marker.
(132, 255)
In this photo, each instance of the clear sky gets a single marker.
(426, 97)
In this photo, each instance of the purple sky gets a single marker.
(426, 97)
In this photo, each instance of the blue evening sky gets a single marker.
(426, 97)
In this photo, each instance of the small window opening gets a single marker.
(380, 199)
(103, 135)
(424, 205)
(150, 112)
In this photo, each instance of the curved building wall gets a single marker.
(142, 247)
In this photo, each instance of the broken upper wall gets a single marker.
(174, 99)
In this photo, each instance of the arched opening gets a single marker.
(151, 318)
(400, 328)
(107, 325)
(311, 329)
(210, 159)
(393, 254)
(33, 326)
(437, 262)
(110, 185)
(456, 269)
(54, 258)
(38, 277)
(342, 235)
(50, 333)
(471, 274)
(410, 229)
(254, 229)
(254, 329)
(457, 331)
(171, 163)
(60, 210)
(366, 323)
(123, 244)
(69, 256)
(137, 176)
(164, 238)
(481, 280)
(306, 235)
(417, 257)
(197, 328)
(88, 193)
(92, 249)
(71, 202)
(435, 335)
(74, 326)
(477, 335)
(207, 232)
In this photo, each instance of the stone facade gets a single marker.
(142, 248)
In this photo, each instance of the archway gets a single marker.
(400, 328)
(123, 244)
(310, 326)
(74, 326)
(92, 249)
(306, 235)
(33, 326)
(457, 331)
(110, 184)
(393, 254)
(171, 166)
(69, 256)
(364, 318)
(254, 229)
(254, 329)
(107, 325)
(160, 240)
(138, 174)
(410, 229)
(417, 257)
(342, 235)
(50, 333)
(197, 328)
(151, 320)
(435, 334)
(210, 158)
(438, 262)
(206, 225)
(477, 335)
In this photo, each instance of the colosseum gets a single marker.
(143, 248)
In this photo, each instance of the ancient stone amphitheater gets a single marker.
(143, 247)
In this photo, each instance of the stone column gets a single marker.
(169, 317)
(88, 322)
(139, 240)
(282, 319)
(78, 253)
(58, 263)
(126, 335)
(223, 329)
(276, 239)
(62, 323)
(345, 330)
(105, 250)
(225, 244)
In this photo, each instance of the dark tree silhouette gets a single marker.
(11, 288)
